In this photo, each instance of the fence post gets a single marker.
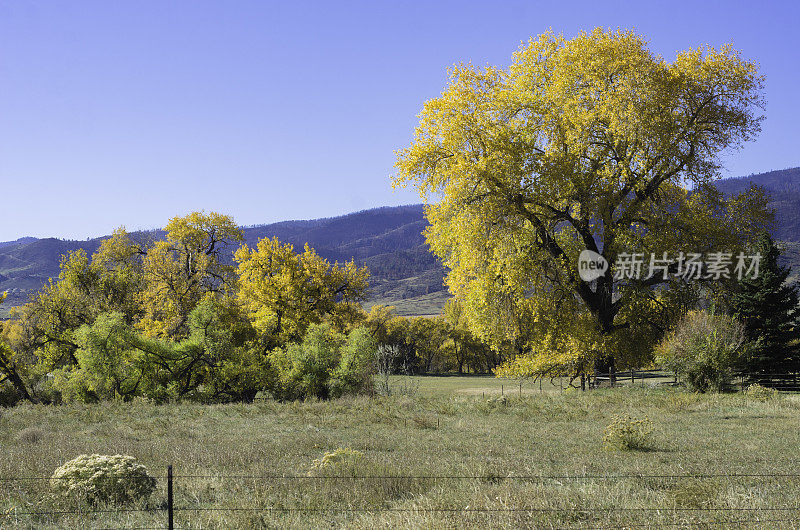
(169, 498)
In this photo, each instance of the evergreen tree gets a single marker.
(768, 307)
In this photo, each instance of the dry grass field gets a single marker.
(439, 453)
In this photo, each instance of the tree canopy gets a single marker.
(177, 318)
(591, 143)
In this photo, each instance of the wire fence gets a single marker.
(770, 515)
(527, 478)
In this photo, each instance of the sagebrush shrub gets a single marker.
(117, 479)
(694, 494)
(421, 421)
(497, 402)
(341, 457)
(30, 435)
(627, 433)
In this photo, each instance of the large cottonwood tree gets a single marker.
(588, 143)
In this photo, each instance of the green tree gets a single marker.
(107, 366)
(217, 361)
(227, 361)
(213, 363)
(324, 364)
(357, 363)
(581, 144)
(768, 306)
(42, 333)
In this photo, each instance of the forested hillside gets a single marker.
(784, 187)
(388, 240)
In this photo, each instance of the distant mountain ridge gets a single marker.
(388, 240)
(784, 187)
(17, 242)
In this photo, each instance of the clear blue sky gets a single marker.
(131, 112)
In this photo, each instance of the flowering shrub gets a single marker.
(117, 479)
(628, 433)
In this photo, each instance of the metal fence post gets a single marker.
(169, 498)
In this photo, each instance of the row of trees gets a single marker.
(424, 345)
(176, 318)
(173, 320)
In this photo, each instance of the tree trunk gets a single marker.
(605, 313)
(17, 382)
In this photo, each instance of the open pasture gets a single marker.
(435, 454)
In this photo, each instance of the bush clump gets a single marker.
(627, 433)
(30, 435)
(325, 364)
(8, 395)
(760, 393)
(705, 349)
(116, 479)
(497, 402)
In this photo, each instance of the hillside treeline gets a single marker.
(387, 240)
